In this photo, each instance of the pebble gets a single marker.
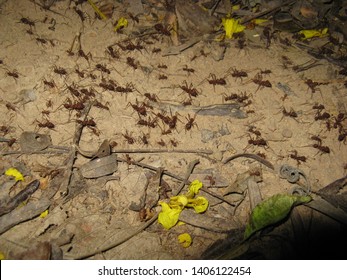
(287, 133)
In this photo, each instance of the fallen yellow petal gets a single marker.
(2, 256)
(122, 22)
(15, 173)
(310, 33)
(168, 217)
(179, 200)
(185, 240)
(96, 9)
(231, 26)
(199, 204)
(44, 214)
(194, 188)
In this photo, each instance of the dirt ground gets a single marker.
(33, 93)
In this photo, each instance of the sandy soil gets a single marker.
(100, 212)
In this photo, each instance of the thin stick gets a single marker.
(144, 226)
(129, 151)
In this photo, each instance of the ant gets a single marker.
(131, 62)
(191, 122)
(211, 179)
(87, 122)
(295, 156)
(320, 116)
(59, 70)
(149, 122)
(128, 88)
(338, 120)
(342, 136)
(27, 22)
(252, 129)
(173, 142)
(73, 91)
(188, 70)
(312, 85)
(144, 139)
(261, 83)
(162, 66)
(162, 77)
(323, 149)
(102, 68)
(156, 50)
(290, 113)
(141, 110)
(14, 74)
(319, 107)
(128, 138)
(161, 143)
(192, 92)
(258, 142)
(50, 83)
(162, 30)
(45, 112)
(113, 53)
(239, 74)
(78, 106)
(98, 104)
(214, 81)
(46, 124)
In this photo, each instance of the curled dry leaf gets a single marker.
(100, 167)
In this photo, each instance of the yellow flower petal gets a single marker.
(194, 188)
(231, 26)
(15, 173)
(122, 22)
(199, 204)
(310, 33)
(44, 214)
(96, 9)
(185, 240)
(2, 256)
(168, 216)
(179, 200)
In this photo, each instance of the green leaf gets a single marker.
(271, 211)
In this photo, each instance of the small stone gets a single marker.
(207, 135)
(287, 133)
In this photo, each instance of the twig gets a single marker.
(71, 159)
(129, 151)
(144, 226)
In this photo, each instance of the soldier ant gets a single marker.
(98, 104)
(113, 53)
(46, 124)
(141, 110)
(78, 106)
(338, 120)
(161, 143)
(258, 142)
(102, 68)
(162, 30)
(239, 74)
(14, 74)
(162, 66)
(261, 83)
(149, 122)
(131, 62)
(152, 97)
(128, 138)
(214, 81)
(290, 113)
(50, 83)
(318, 145)
(188, 70)
(162, 77)
(173, 142)
(27, 22)
(295, 156)
(191, 122)
(192, 92)
(312, 85)
(320, 116)
(144, 139)
(59, 70)
(87, 122)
